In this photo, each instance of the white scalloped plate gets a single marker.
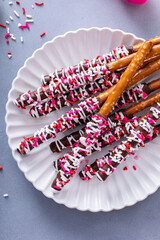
(123, 188)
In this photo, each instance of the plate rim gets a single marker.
(9, 100)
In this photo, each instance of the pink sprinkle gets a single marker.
(1, 168)
(7, 35)
(136, 157)
(56, 187)
(7, 41)
(134, 168)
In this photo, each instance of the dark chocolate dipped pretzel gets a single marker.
(73, 96)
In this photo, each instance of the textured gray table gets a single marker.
(26, 213)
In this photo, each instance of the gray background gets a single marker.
(27, 214)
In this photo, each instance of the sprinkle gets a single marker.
(1, 25)
(28, 16)
(1, 168)
(16, 13)
(23, 9)
(7, 30)
(21, 39)
(9, 55)
(134, 168)
(7, 35)
(39, 4)
(125, 168)
(136, 157)
(32, 7)
(5, 195)
(10, 3)
(19, 24)
(7, 22)
(7, 41)
(18, 2)
(11, 18)
(42, 34)
(29, 20)
(13, 38)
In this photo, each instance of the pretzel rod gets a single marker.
(83, 66)
(117, 53)
(69, 98)
(123, 62)
(90, 170)
(139, 92)
(155, 40)
(74, 117)
(68, 80)
(133, 141)
(89, 141)
(105, 139)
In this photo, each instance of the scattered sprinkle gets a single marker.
(10, 3)
(19, 24)
(125, 168)
(42, 34)
(1, 168)
(18, 2)
(9, 55)
(7, 22)
(7, 41)
(23, 9)
(1, 25)
(8, 30)
(16, 13)
(7, 35)
(32, 7)
(134, 167)
(24, 26)
(39, 4)
(29, 20)
(5, 195)
(28, 16)
(11, 18)
(136, 157)
(21, 39)
(13, 38)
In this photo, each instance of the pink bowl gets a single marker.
(135, 1)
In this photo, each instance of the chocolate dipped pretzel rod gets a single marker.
(73, 96)
(89, 171)
(117, 53)
(56, 88)
(139, 92)
(83, 66)
(134, 140)
(70, 98)
(68, 79)
(114, 131)
(105, 139)
(99, 123)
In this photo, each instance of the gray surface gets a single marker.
(27, 214)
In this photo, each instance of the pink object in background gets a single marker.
(135, 1)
